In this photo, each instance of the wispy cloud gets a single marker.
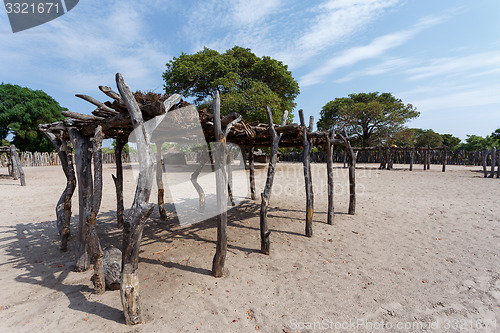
(375, 49)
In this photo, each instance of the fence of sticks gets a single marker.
(136, 113)
(491, 158)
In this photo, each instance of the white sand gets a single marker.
(423, 248)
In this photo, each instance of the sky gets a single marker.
(443, 57)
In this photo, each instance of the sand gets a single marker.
(420, 255)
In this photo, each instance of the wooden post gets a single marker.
(139, 212)
(493, 161)
(221, 185)
(352, 174)
(485, 161)
(159, 182)
(412, 158)
(118, 180)
(83, 159)
(251, 162)
(428, 160)
(390, 159)
(94, 244)
(265, 242)
(445, 158)
(63, 208)
(329, 172)
(16, 165)
(194, 179)
(306, 160)
(230, 157)
(498, 166)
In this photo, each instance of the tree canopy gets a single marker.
(21, 111)
(247, 83)
(374, 117)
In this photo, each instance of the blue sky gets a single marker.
(441, 56)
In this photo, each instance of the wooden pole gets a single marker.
(493, 161)
(230, 157)
(306, 160)
(194, 179)
(139, 212)
(428, 158)
(159, 182)
(221, 186)
(498, 166)
(16, 165)
(352, 174)
(251, 162)
(485, 161)
(265, 242)
(94, 244)
(412, 159)
(445, 158)
(63, 208)
(83, 160)
(329, 172)
(118, 180)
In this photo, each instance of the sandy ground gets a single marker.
(420, 255)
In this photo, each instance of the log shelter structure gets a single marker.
(82, 135)
(14, 164)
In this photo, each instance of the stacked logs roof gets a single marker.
(116, 122)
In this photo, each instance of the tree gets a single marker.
(21, 111)
(246, 82)
(374, 117)
(406, 137)
(450, 141)
(428, 138)
(476, 143)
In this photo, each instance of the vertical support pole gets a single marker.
(118, 180)
(412, 158)
(445, 158)
(194, 179)
(16, 165)
(493, 161)
(159, 182)
(265, 241)
(139, 212)
(83, 160)
(63, 208)
(306, 160)
(329, 172)
(498, 166)
(352, 174)
(230, 157)
(251, 162)
(94, 244)
(428, 160)
(485, 161)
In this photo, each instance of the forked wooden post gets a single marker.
(251, 162)
(83, 160)
(306, 157)
(90, 218)
(159, 182)
(265, 242)
(63, 207)
(329, 172)
(139, 212)
(194, 179)
(221, 182)
(118, 180)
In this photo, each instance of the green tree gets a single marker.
(246, 82)
(21, 111)
(406, 137)
(374, 117)
(450, 141)
(428, 138)
(476, 143)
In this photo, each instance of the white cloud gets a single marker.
(386, 66)
(373, 50)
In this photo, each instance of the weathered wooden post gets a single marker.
(352, 173)
(498, 166)
(230, 157)
(265, 242)
(159, 182)
(412, 158)
(493, 161)
(194, 179)
(428, 157)
(118, 180)
(16, 165)
(83, 159)
(445, 158)
(63, 207)
(251, 162)
(306, 160)
(139, 212)
(485, 161)
(329, 172)
(221, 182)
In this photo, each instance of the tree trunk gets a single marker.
(306, 160)
(493, 161)
(251, 162)
(485, 161)
(159, 183)
(118, 180)
(194, 179)
(329, 172)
